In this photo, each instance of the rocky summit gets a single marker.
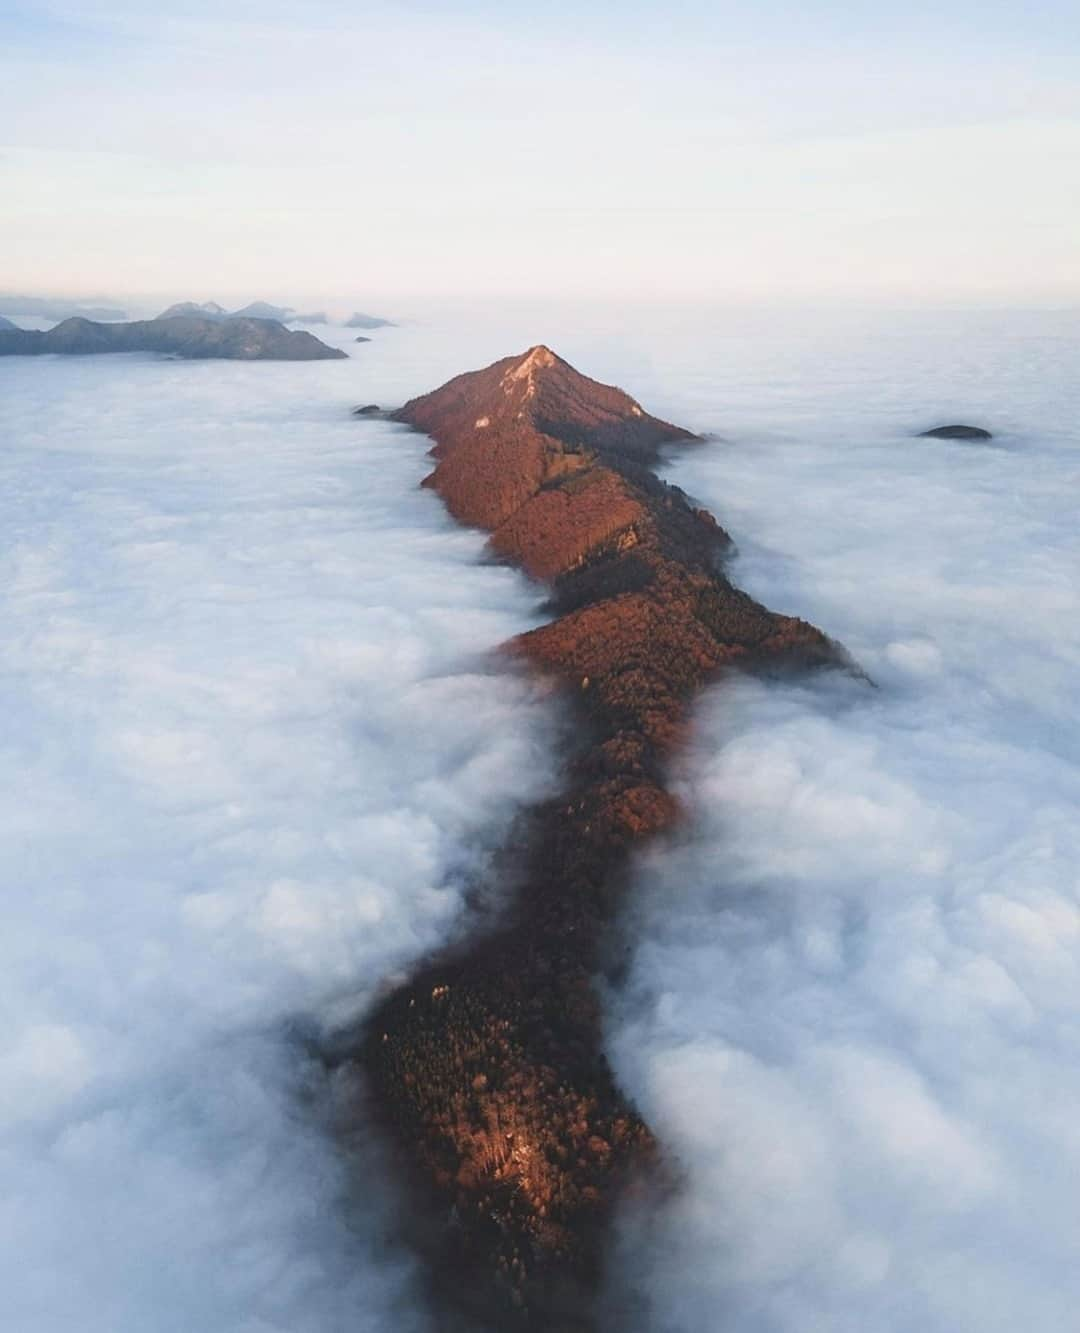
(487, 1069)
(186, 336)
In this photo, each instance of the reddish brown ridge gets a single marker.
(488, 1068)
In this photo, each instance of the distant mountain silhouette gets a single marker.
(201, 337)
(207, 310)
(264, 310)
(56, 307)
(283, 314)
(362, 321)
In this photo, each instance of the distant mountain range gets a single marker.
(211, 310)
(59, 308)
(362, 321)
(193, 309)
(264, 310)
(202, 336)
(55, 307)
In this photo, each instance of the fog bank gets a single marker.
(254, 750)
(852, 1006)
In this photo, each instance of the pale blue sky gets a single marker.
(418, 150)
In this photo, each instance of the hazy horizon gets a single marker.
(699, 153)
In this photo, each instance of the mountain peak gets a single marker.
(536, 358)
(501, 431)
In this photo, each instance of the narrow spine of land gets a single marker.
(487, 1069)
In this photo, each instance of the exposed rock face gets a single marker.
(488, 1068)
(956, 433)
(180, 335)
(361, 321)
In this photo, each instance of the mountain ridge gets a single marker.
(487, 1069)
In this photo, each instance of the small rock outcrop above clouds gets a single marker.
(487, 1069)
(188, 336)
(358, 320)
(958, 432)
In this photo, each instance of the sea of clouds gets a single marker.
(253, 751)
(853, 1014)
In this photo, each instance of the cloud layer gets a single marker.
(253, 750)
(852, 1010)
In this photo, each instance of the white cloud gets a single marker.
(852, 1008)
(253, 751)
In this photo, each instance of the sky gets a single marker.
(411, 153)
